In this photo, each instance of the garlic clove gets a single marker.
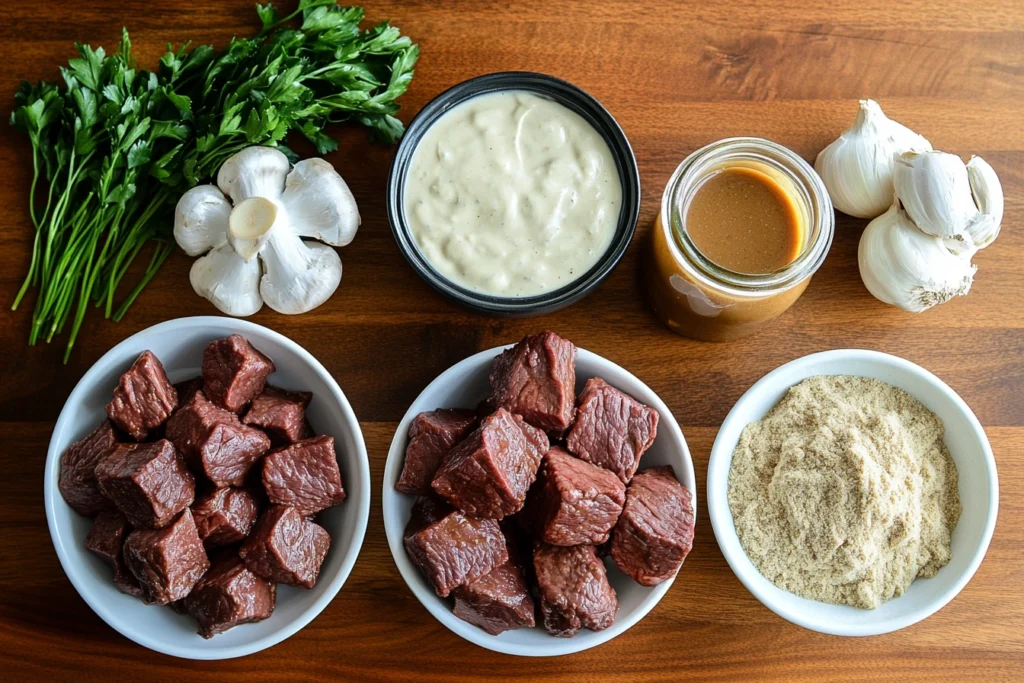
(857, 167)
(905, 267)
(201, 219)
(229, 282)
(935, 191)
(319, 203)
(254, 172)
(988, 197)
(299, 275)
(250, 225)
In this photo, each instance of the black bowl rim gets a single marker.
(566, 94)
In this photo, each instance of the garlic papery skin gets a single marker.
(905, 267)
(988, 197)
(935, 191)
(857, 167)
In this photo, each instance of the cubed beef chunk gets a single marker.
(234, 372)
(612, 429)
(187, 389)
(77, 481)
(281, 414)
(148, 482)
(214, 442)
(224, 516)
(166, 562)
(124, 580)
(573, 589)
(431, 436)
(144, 398)
(537, 379)
(498, 601)
(106, 536)
(655, 532)
(304, 475)
(228, 595)
(425, 511)
(286, 547)
(574, 502)
(455, 550)
(489, 473)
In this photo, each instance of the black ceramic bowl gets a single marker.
(565, 94)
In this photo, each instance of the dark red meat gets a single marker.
(228, 595)
(166, 562)
(225, 516)
(77, 481)
(455, 550)
(144, 398)
(489, 473)
(148, 482)
(281, 414)
(234, 372)
(304, 475)
(496, 602)
(106, 536)
(187, 389)
(612, 429)
(431, 436)
(286, 547)
(425, 511)
(573, 589)
(537, 379)
(655, 531)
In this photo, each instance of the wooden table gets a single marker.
(677, 76)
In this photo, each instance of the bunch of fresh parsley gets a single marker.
(118, 145)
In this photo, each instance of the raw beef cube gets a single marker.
(234, 372)
(496, 602)
(431, 436)
(612, 429)
(144, 398)
(228, 595)
(425, 511)
(167, 562)
(213, 441)
(124, 580)
(489, 473)
(106, 536)
(655, 531)
(281, 414)
(286, 547)
(455, 550)
(78, 470)
(148, 482)
(225, 516)
(574, 503)
(573, 589)
(537, 379)
(187, 389)
(304, 475)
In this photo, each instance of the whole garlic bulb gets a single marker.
(857, 167)
(935, 191)
(905, 267)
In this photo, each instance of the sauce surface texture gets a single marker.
(512, 195)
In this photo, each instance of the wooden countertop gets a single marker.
(676, 75)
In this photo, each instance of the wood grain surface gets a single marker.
(677, 75)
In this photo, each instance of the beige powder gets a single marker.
(845, 492)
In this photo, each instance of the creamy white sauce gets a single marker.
(513, 195)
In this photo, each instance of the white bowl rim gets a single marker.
(720, 512)
(438, 608)
(362, 513)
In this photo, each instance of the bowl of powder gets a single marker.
(852, 492)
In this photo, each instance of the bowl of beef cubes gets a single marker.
(207, 488)
(538, 499)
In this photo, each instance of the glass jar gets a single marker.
(698, 298)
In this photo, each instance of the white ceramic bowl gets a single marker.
(463, 386)
(179, 345)
(978, 487)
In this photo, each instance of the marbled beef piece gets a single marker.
(655, 532)
(304, 475)
(225, 515)
(228, 595)
(574, 503)
(456, 549)
(77, 481)
(167, 562)
(489, 473)
(286, 547)
(431, 436)
(537, 379)
(234, 372)
(148, 482)
(106, 536)
(187, 389)
(214, 442)
(281, 414)
(144, 398)
(498, 601)
(573, 589)
(612, 429)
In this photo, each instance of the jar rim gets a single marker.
(821, 223)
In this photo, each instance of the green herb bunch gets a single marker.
(117, 145)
